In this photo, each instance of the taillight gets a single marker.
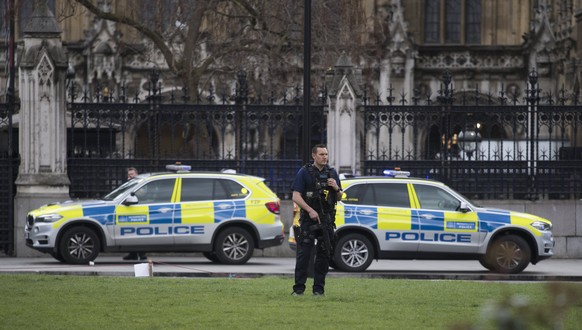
(273, 207)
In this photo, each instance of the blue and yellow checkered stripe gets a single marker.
(387, 218)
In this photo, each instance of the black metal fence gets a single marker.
(9, 161)
(258, 137)
(523, 145)
(527, 145)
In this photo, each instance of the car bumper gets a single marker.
(546, 246)
(278, 240)
(40, 237)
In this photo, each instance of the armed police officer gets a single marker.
(316, 190)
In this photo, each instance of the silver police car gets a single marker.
(224, 216)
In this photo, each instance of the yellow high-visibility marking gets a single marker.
(197, 212)
(391, 218)
(134, 210)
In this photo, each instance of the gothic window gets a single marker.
(473, 22)
(431, 22)
(452, 21)
(4, 19)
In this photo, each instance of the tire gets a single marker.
(211, 256)
(57, 256)
(332, 263)
(483, 261)
(508, 254)
(79, 245)
(353, 253)
(234, 246)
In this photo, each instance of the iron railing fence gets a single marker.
(483, 147)
(9, 161)
(8, 173)
(109, 135)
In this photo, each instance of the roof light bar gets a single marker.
(396, 173)
(178, 168)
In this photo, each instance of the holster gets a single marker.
(300, 235)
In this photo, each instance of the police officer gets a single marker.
(132, 173)
(316, 190)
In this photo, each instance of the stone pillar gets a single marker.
(42, 176)
(342, 118)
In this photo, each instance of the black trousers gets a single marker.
(305, 246)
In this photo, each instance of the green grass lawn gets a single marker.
(79, 302)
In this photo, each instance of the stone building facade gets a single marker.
(488, 46)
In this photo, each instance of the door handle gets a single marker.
(224, 206)
(366, 212)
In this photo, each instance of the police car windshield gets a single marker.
(123, 188)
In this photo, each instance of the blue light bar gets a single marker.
(178, 168)
(396, 173)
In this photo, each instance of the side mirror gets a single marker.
(130, 200)
(464, 207)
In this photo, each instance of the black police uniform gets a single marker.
(316, 196)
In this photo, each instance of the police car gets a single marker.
(225, 216)
(398, 217)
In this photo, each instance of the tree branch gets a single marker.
(154, 36)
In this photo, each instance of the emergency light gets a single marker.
(396, 173)
(178, 168)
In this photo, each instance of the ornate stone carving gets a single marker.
(45, 78)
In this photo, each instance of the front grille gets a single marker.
(30, 220)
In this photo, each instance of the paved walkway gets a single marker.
(186, 266)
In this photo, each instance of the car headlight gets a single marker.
(48, 218)
(540, 225)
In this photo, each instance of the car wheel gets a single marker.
(353, 253)
(57, 256)
(79, 245)
(234, 246)
(509, 254)
(332, 263)
(483, 261)
(211, 256)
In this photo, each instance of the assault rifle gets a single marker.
(326, 225)
(326, 228)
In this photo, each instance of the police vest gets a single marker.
(318, 195)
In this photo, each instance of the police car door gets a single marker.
(443, 227)
(383, 208)
(149, 222)
(396, 228)
(204, 204)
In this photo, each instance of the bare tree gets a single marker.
(205, 42)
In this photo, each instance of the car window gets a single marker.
(159, 191)
(234, 190)
(392, 195)
(129, 185)
(197, 189)
(367, 196)
(220, 189)
(202, 189)
(431, 197)
(353, 194)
